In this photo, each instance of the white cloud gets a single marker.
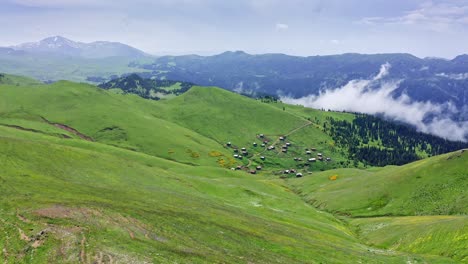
(334, 41)
(436, 16)
(281, 26)
(454, 76)
(374, 96)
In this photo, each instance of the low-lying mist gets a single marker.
(374, 96)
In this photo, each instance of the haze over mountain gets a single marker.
(58, 45)
(58, 58)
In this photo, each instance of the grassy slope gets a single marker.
(314, 114)
(126, 121)
(441, 235)
(130, 194)
(73, 69)
(225, 116)
(414, 194)
(219, 115)
(99, 202)
(435, 185)
(8, 79)
(131, 122)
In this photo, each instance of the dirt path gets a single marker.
(23, 236)
(82, 251)
(21, 217)
(69, 129)
(308, 123)
(32, 130)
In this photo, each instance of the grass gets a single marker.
(50, 68)
(433, 186)
(173, 87)
(436, 235)
(135, 207)
(149, 187)
(16, 80)
(227, 117)
(316, 115)
(122, 120)
(418, 208)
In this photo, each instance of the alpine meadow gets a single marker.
(253, 132)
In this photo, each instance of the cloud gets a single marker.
(454, 76)
(437, 16)
(374, 96)
(281, 26)
(334, 41)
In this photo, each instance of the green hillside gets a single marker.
(433, 186)
(92, 176)
(191, 128)
(436, 235)
(419, 207)
(8, 79)
(67, 200)
(55, 68)
(147, 88)
(125, 121)
(228, 117)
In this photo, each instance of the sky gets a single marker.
(297, 27)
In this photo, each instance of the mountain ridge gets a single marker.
(59, 45)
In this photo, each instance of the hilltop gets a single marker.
(125, 121)
(147, 88)
(8, 79)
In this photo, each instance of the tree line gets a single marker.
(377, 142)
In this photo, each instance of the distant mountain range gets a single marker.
(58, 58)
(301, 76)
(61, 46)
(428, 79)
